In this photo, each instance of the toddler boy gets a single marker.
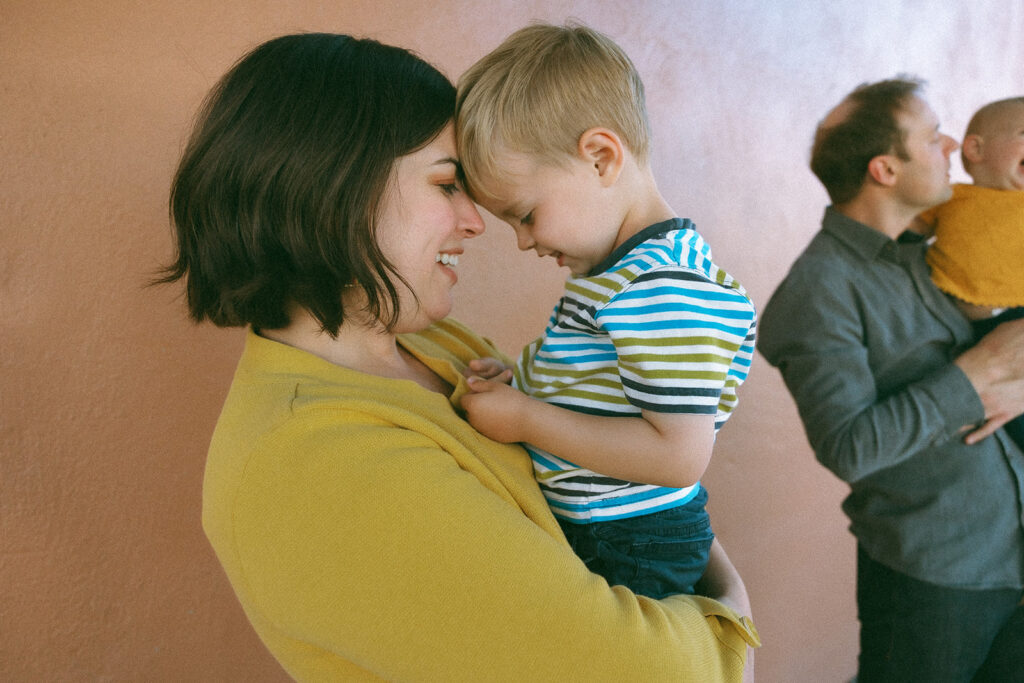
(620, 400)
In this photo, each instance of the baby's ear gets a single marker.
(603, 149)
(973, 148)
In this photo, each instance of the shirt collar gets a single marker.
(650, 232)
(863, 240)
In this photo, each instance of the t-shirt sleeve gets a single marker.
(684, 342)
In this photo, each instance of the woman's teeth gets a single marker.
(447, 259)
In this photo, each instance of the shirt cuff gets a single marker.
(743, 625)
(955, 398)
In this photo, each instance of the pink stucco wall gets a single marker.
(109, 395)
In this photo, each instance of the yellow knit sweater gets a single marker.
(978, 254)
(370, 533)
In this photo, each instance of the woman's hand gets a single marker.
(723, 582)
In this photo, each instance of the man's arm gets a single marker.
(663, 449)
(995, 368)
(815, 330)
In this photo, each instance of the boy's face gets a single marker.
(556, 210)
(1001, 161)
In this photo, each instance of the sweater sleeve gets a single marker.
(390, 560)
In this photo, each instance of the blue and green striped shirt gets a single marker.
(657, 326)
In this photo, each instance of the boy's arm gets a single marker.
(664, 449)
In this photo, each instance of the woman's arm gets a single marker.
(414, 563)
(723, 582)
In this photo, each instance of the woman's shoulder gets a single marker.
(449, 337)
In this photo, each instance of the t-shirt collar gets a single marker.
(650, 232)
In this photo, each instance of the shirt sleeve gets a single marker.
(684, 342)
(393, 557)
(813, 330)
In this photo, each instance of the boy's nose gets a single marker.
(523, 240)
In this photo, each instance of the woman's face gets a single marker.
(426, 216)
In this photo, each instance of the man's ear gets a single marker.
(882, 169)
(602, 149)
(973, 148)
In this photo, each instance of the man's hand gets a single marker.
(995, 366)
(495, 409)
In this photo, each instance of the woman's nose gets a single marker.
(470, 224)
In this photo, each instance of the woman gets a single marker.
(368, 531)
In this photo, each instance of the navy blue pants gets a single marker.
(659, 554)
(1015, 427)
(911, 630)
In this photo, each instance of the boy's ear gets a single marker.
(604, 151)
(882, 169)
(973, 148)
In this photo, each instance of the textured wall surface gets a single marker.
(108, 395)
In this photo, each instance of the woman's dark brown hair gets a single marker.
(276, 197)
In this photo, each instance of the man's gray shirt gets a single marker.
(865, 344)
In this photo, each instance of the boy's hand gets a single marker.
(489, 368)
(494, 408)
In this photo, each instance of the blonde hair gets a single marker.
(539, 91)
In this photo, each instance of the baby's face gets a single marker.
(1002, 152)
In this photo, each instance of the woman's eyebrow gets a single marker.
(459, 173)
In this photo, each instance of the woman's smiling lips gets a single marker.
(448, 260)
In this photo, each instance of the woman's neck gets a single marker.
(367, 348)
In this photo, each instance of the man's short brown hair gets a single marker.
(841, 153)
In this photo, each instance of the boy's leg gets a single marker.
(1015, 427)
(1015, 430)
(916, 631)
(656, 555)
(983, 327)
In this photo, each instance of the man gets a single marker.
(895, 403)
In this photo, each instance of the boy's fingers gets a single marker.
(478, 384)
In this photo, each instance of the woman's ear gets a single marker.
(602, 149)
(973, 148)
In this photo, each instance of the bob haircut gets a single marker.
(276, 197)
(841, 153)
(538, 91)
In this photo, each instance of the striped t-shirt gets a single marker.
(657, 326)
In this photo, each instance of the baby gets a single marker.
(620, 400)
(978, 254)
